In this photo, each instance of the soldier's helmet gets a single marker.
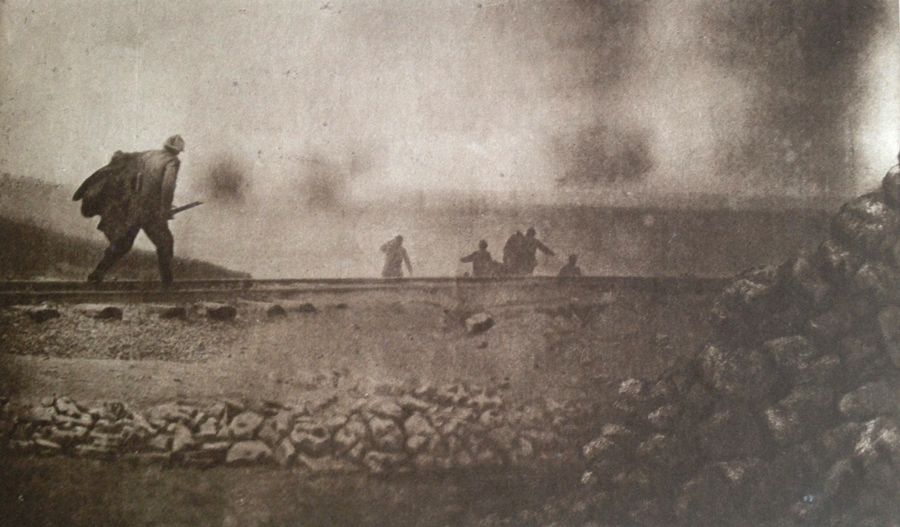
(530, 232)
(174, 144)
(482, 244)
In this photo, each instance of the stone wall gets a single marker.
(791, 416)
(425, 429)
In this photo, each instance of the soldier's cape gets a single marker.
(109, 192)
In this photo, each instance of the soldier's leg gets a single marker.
(116, 250)
(161, 236)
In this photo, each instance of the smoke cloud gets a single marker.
(602, 155)
(736, 97)
(805, 63)
(299, 115)
(225, 180)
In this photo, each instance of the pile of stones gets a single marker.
(791, 416)
(425, 429)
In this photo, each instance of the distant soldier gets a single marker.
(394, 258)
(133, 192)
(512, 253)
(530, 246)
(483, 265)
(571, 269)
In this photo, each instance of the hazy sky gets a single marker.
(368, 99)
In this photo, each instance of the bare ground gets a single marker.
(556, 343)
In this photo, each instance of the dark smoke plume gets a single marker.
(226, 181)
(804, 60)
(601, 154)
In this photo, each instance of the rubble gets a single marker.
(795, 416)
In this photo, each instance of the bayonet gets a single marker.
(176, 210)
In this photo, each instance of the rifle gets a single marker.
(176, 210)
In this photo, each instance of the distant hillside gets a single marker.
(32, 252)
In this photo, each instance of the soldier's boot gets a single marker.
(116, 250)
(112, 255)
(165, 257)
(161, 236)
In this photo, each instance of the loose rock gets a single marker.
(248, 453)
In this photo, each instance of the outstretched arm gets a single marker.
(406, 260)
(468, 259)
(544, 249)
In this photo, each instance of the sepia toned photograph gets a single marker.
(439, 263)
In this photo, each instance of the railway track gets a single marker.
(18, 292)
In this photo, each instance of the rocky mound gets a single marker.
(791, 416)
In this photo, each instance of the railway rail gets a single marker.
(18, 292)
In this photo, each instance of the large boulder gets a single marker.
(867, 225)
(748, 296)
(801, 278)
(100, 311)
(793, 356)
(386, 434)
(839, 442)
(386, 407)
(838, 264)
(479, 323)
(832, 325)
(351, 434)
(880, 439)
(218, 311)
(871, 400)
(285, 452)
(248, 453)
(170, 413)
(311, 438)
(605, 457)
(804, 410)
(745, 374)
(245, 425)
(878, 282)
(419, 432)
(861, 361)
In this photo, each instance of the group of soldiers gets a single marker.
(519, 258)
(135, 190)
